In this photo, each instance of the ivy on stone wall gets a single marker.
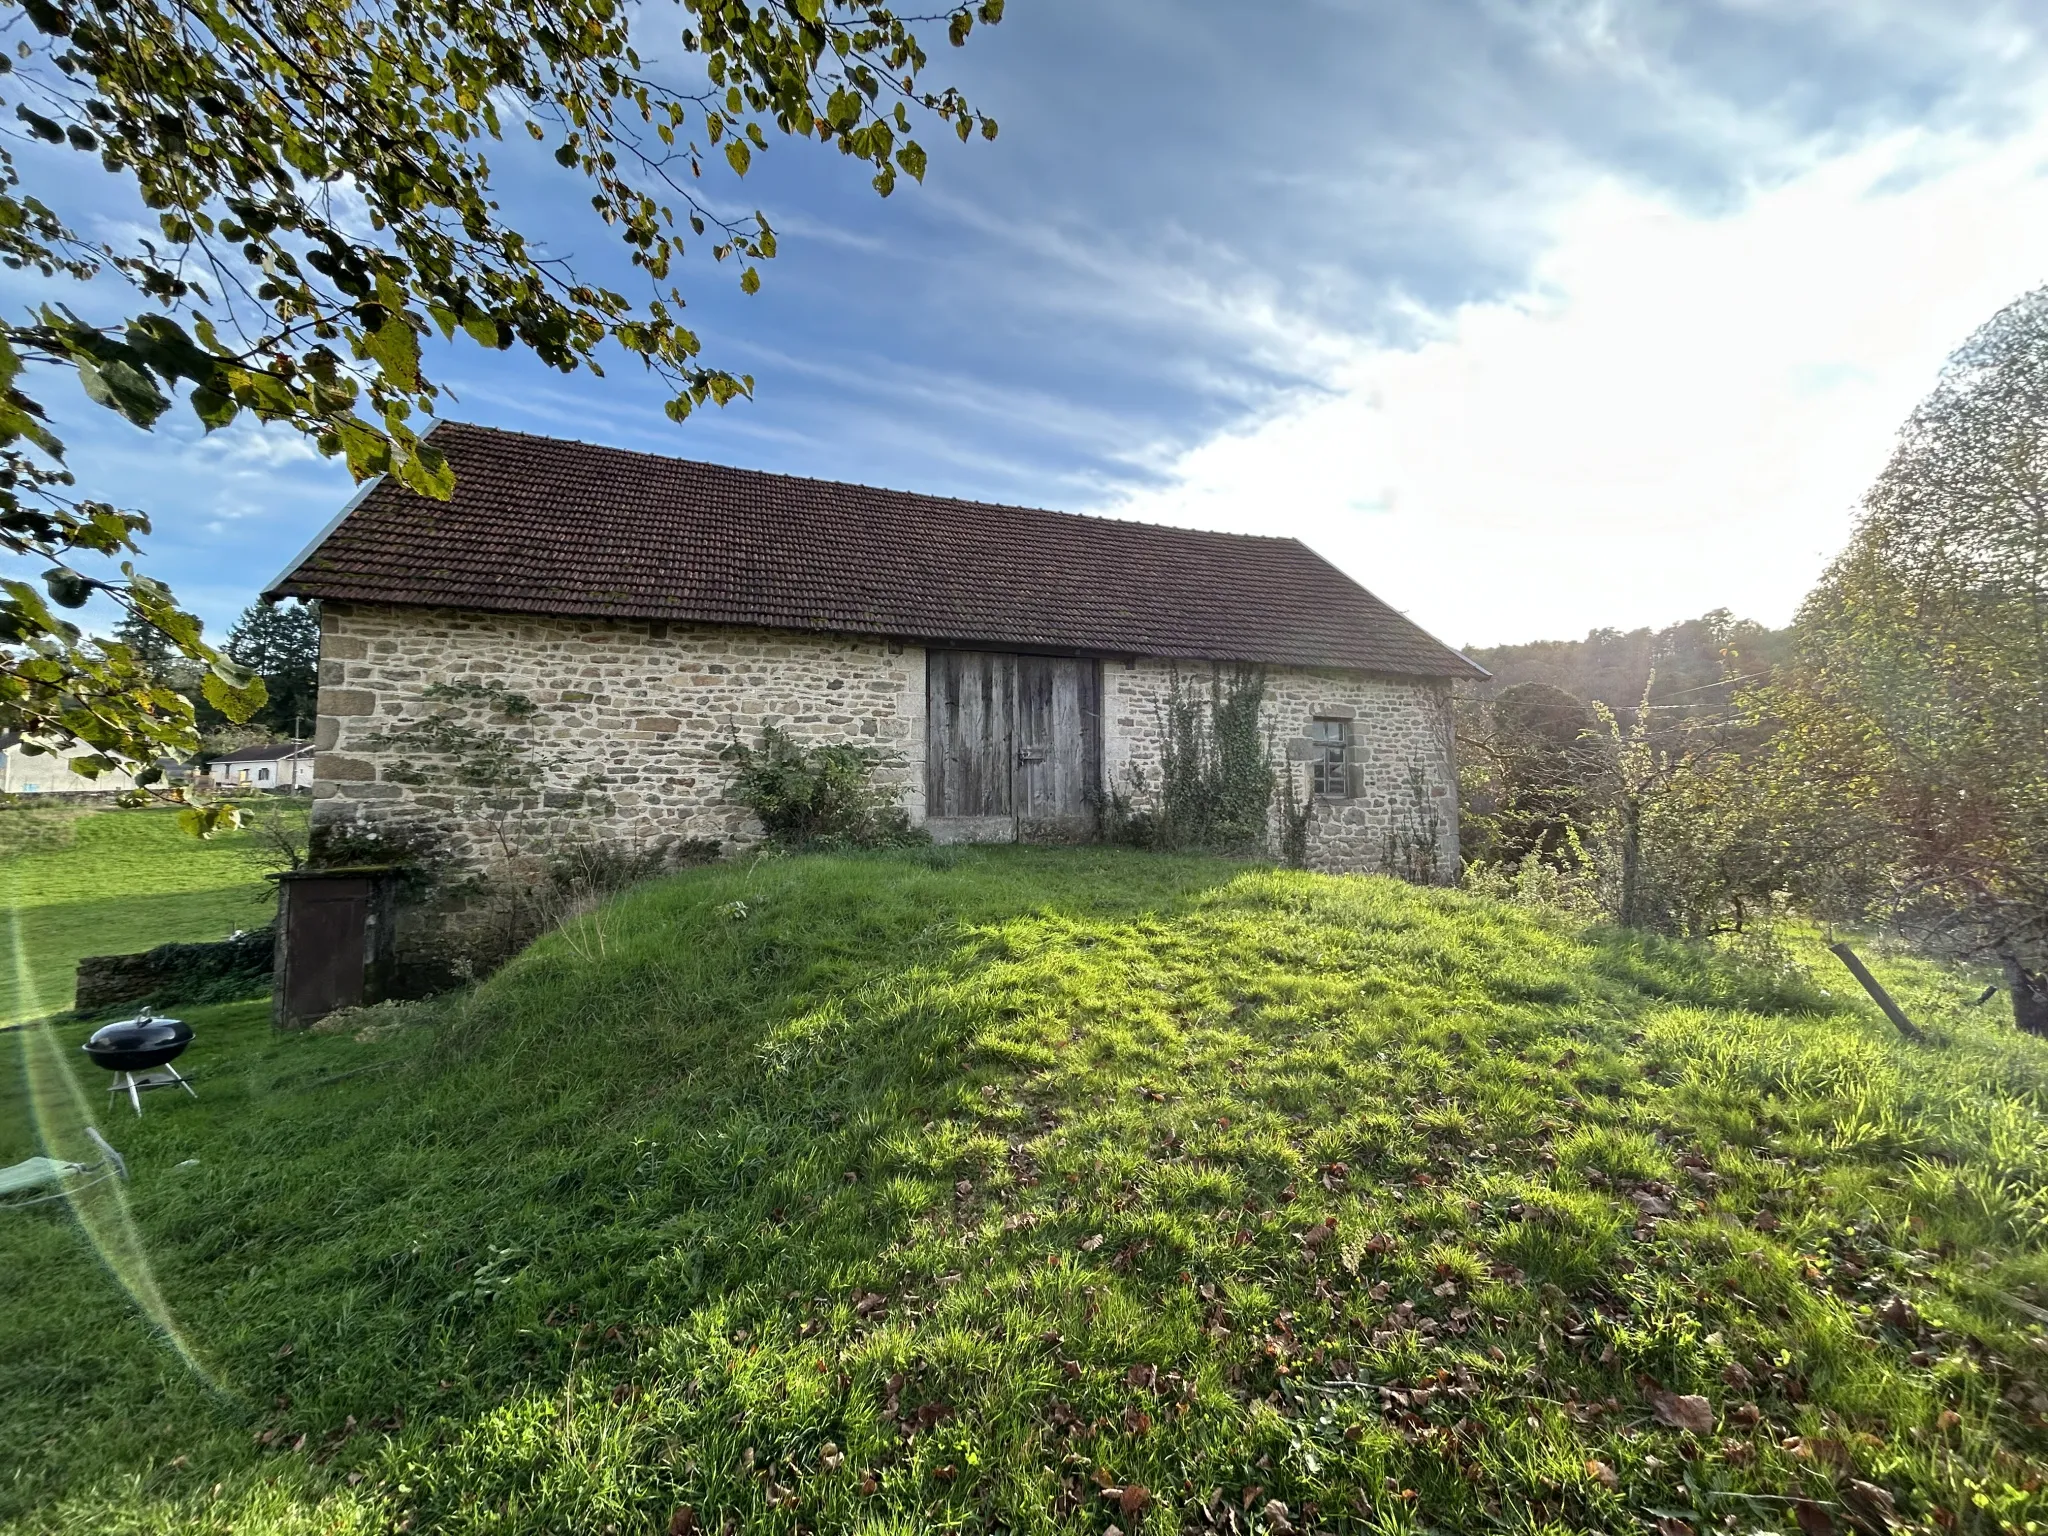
(1414, 842)
(1216, 775)
(1297, 816)
(458, 752)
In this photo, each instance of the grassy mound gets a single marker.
(1012, 1190)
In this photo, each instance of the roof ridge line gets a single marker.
(862, 485)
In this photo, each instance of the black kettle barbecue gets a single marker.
(139, 1052)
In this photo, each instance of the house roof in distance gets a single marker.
(544, 526)
(264, 752)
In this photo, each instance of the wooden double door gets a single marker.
(1014, 747)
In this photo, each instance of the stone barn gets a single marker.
(622, 616)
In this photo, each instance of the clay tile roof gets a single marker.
(539, 525)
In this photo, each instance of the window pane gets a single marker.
(1331, 738)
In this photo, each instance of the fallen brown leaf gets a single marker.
(1683, 1411)
(1869, 1508)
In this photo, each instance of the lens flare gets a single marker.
(62, 1116)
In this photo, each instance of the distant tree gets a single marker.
(1539, 762)
(1919, 693)
(1690, 668)
(152, 648)
(320, 182)
(1656, 815)
(1694, 837)
(280, 643)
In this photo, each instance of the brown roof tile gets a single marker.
(539, 525)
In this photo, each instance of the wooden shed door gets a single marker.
(1014, 746)
(325, 925)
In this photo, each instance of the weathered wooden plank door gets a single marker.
(970, 724)
(1013, 748)
(1058, 751)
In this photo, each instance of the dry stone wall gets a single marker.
(1401, 734)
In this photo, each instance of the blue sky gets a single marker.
(1534, 317)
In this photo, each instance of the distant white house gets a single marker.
(280, 765)
(23, 772)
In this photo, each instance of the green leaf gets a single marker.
(394, 346)
(237, 702)
(750, 281)
(42, 127)
(67, 588)
(911, 158)
(739, 155)
(213, 408)
(120, 387)
(204, 822)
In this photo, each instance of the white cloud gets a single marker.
(247, 445)
(1678, 413)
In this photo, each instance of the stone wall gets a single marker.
(177, 973)
(636, 713)
(1400, 726)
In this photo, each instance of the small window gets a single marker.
(262, 773)
(1331, 764)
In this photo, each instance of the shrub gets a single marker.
(816, 797)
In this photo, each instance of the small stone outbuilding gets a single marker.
(624, 615)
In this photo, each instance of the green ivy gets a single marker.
(1216, 773)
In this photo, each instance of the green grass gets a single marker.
(78, 883)
(954, 1190)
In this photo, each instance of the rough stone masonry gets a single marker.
(629, 717)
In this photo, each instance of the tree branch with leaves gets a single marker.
(321, 182)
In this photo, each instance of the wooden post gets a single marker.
(1892, 1010)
